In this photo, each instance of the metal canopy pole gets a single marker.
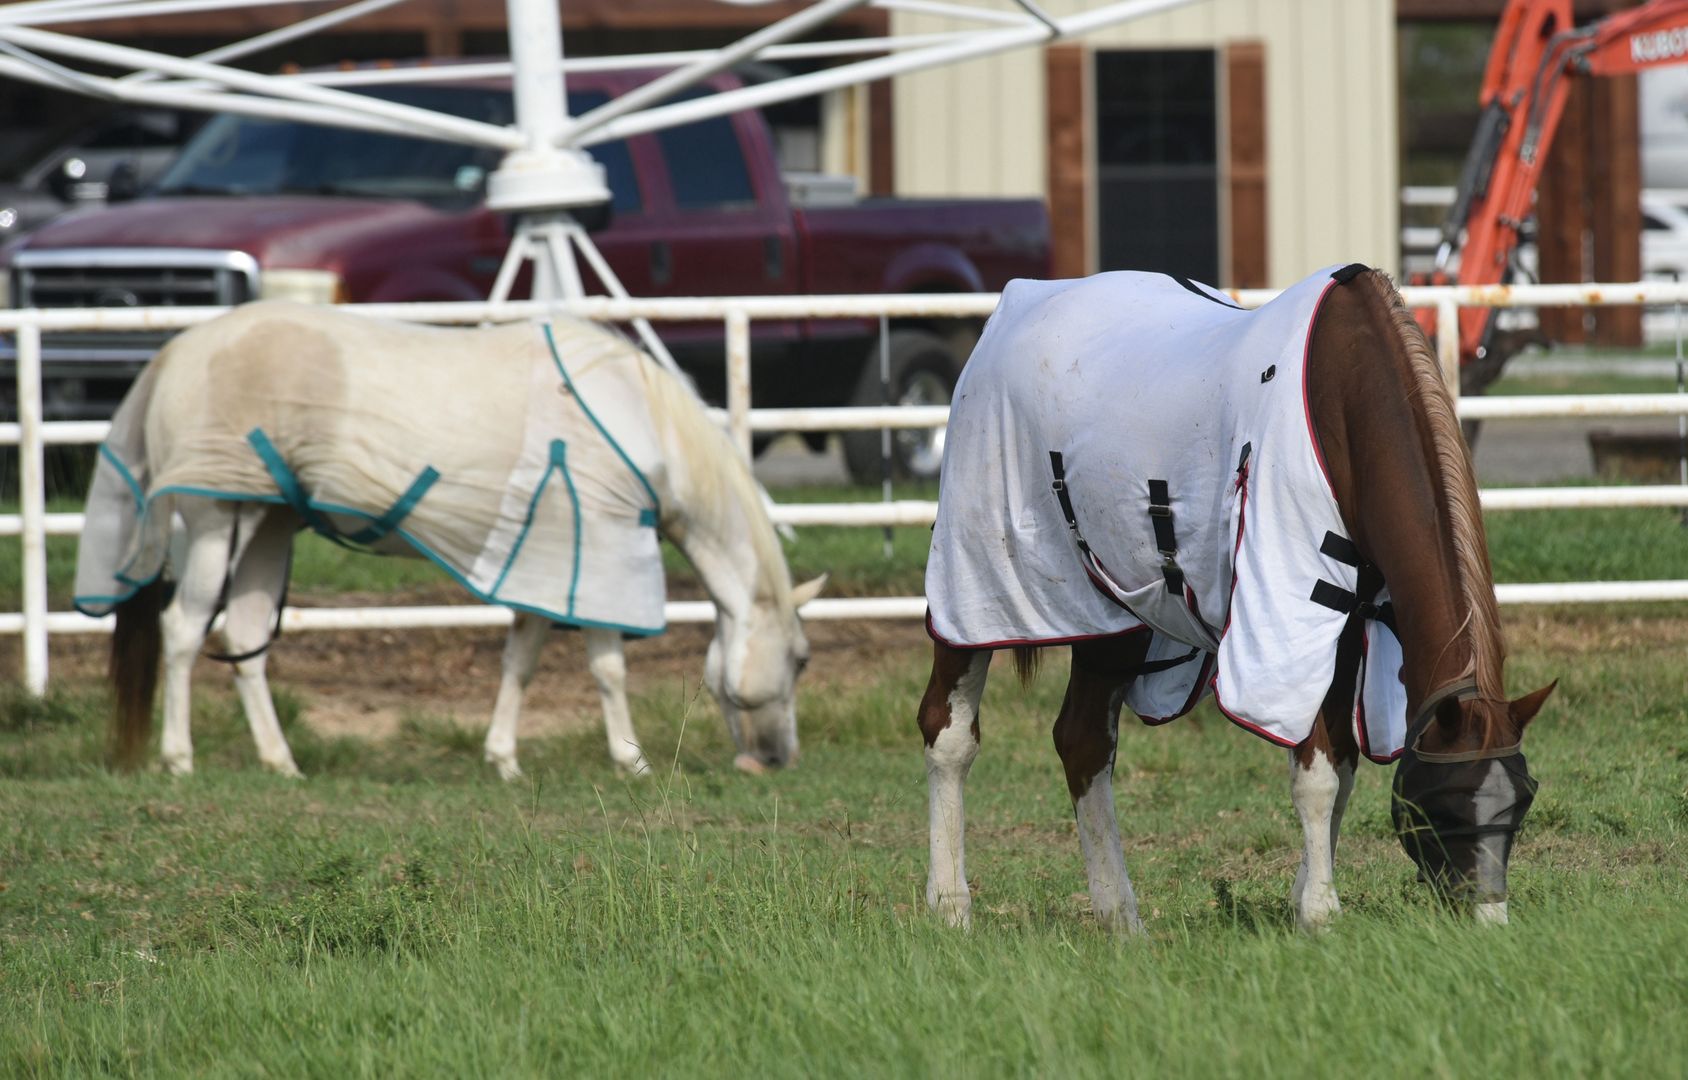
(544, 182)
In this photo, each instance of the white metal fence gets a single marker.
(33, 524)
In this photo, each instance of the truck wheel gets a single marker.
(923, 372)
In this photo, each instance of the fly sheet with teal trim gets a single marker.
(523, 460)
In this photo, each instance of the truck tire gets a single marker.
(923, 367)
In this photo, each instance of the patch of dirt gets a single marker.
(365, 683)
(1581, 632)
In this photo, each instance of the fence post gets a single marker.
(1447, 343)
(738, 380)
(32, 495)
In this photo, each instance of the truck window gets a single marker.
(706, 164)
(239, 155)
(613, 156)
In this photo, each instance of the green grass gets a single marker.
(402, 913)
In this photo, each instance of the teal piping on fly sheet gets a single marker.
(558, 462)
(649, 516)
(128, 477)
(294, 495)
(391, 522)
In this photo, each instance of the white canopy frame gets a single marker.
(546, 175)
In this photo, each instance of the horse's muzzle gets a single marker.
(1457, 821)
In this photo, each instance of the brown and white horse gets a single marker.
(1404, 485)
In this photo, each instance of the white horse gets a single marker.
(535, 465)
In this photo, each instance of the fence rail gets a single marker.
(33, 524)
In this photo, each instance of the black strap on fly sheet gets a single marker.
(1203, 293)
(1060, 489)
(1360, 606)
(1362, 602)
(1166, 542)
(223, 602)
(1348, 273)
(1150, 667)
(1160, 513)
(1058, 468)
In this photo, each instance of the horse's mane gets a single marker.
(722, 479)
(1464, 513)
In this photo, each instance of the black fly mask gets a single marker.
(1456, 814)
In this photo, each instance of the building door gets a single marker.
(1157, 162)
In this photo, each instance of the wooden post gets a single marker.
(1614, 202)
(1067, 101)
(1561, 219)
(881, 139)
(1245, 165)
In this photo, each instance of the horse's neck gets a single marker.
(1398, 503)
(1426, 589)
(714, 524)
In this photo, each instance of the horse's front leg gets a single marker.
(1086, 736)
(521, 659)
(255, 594)
(949, 722)
(608, 665)
(1321, 776)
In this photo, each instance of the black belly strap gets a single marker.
(1362, 602)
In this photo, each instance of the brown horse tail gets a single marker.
(135, 648)
(1027, 659)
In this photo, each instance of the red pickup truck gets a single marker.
(265, 208)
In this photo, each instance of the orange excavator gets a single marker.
(1537, 50)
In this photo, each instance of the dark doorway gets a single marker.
(1157, 162)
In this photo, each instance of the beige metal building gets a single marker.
(1248, 141)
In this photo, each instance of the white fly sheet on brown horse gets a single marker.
(535, 464)
(1133, 455)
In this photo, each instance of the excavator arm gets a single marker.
(1537, 50)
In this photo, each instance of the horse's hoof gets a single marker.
(1317, 918)
(507, 768)
(746, 764)
(1491, 914)
(957, 911)
(636, 768)
(1122, 923)
(285, 769)
(178, 766)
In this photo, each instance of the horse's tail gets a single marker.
(135, 648)
(1027, 659)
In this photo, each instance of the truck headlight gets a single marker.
(302, 286)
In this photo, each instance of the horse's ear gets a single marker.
(1525, 708)
(802, 594)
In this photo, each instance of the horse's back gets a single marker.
(525, 459)
(290, 364)
(1118, 375)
